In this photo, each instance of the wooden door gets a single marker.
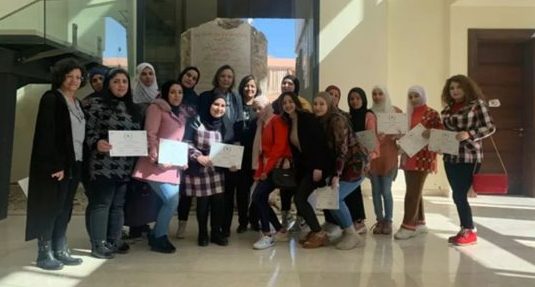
(499, 61)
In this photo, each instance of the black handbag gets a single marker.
(284, 178)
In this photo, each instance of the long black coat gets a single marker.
(52, 151)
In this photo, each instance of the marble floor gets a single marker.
(505, 256)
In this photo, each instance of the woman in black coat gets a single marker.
(55, 166)
(310, 153)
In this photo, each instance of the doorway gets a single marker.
(502, 62)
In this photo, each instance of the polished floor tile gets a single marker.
(504, 256)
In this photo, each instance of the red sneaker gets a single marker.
(467, 237)
(452, 239)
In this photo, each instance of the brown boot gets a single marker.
(317, 239)
(387, 228)
(378, 227)
(304, 239)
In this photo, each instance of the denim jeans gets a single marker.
(106, 209)
(460, 176)
(382, 194)
(260, 201)
(169, 195)
(342, 214)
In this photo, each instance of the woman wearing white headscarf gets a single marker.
(418, 166)
(145, 86)
(383, 169)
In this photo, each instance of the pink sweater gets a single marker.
(160, 123)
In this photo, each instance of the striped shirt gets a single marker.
(475, 119)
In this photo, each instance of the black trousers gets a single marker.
(460, 176)
(184, 204)
(261, 205)
(213, 205)
(304, 190)
(57, 225)
(237, 184)
(106, 209)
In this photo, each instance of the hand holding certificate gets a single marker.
(226, 155)
(128, 143)
(413, 141)
(442, 141)
(392, 123)
(367, 139)
(173, 153)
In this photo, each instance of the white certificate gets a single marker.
(324, 198)
(173, 153)
(392, 123)
(368, 139)
(128, 143)
(226, 155)
(444, 142)
(413, 141)
(23, 183)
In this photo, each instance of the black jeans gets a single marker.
(460, 176)
(260, 202)
(237, 183)
(215, 206)
(106, 209)
(184, 205)
(57, 226)
(355, 204)
(286, 199)
(304, 190)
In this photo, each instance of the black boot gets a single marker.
(45, 258)
(63, 253)
(118, 246)
(100, 250)
(219, 238)
(161, 244)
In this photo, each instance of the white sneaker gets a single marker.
(404, 234)
(264, 242)
(422, 229)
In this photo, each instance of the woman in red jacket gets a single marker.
(270, 147)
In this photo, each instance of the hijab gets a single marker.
(210, 122)
(265, 116)
(386, 105)
(142, 93)
(358, 116)
(423, 100)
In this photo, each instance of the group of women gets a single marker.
(315, 141)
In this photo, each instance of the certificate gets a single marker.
(444, 142)
(23, 183)
(324, 198)
(367, 139)
(392, 123)
(413, 141)
(173, 153)
(226, 155)
(128, 143)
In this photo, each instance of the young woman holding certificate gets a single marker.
(165, 119)
(383, 170)
(418, 166)
(203, 180)
(310, 154)
(467, 114)
(109, 176)
(344, 175)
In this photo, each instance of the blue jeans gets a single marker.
(169, 194)
(342, 215)
(382, 192)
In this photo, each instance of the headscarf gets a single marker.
(358, 116)
(386, 105)
(208, 120)
(191, 98)
(410, 108)
(265, 116)
(98, 70)
(142, 93)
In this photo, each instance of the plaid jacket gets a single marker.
(203, 181)
(476, 120)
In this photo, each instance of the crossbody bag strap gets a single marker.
(498, 154)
